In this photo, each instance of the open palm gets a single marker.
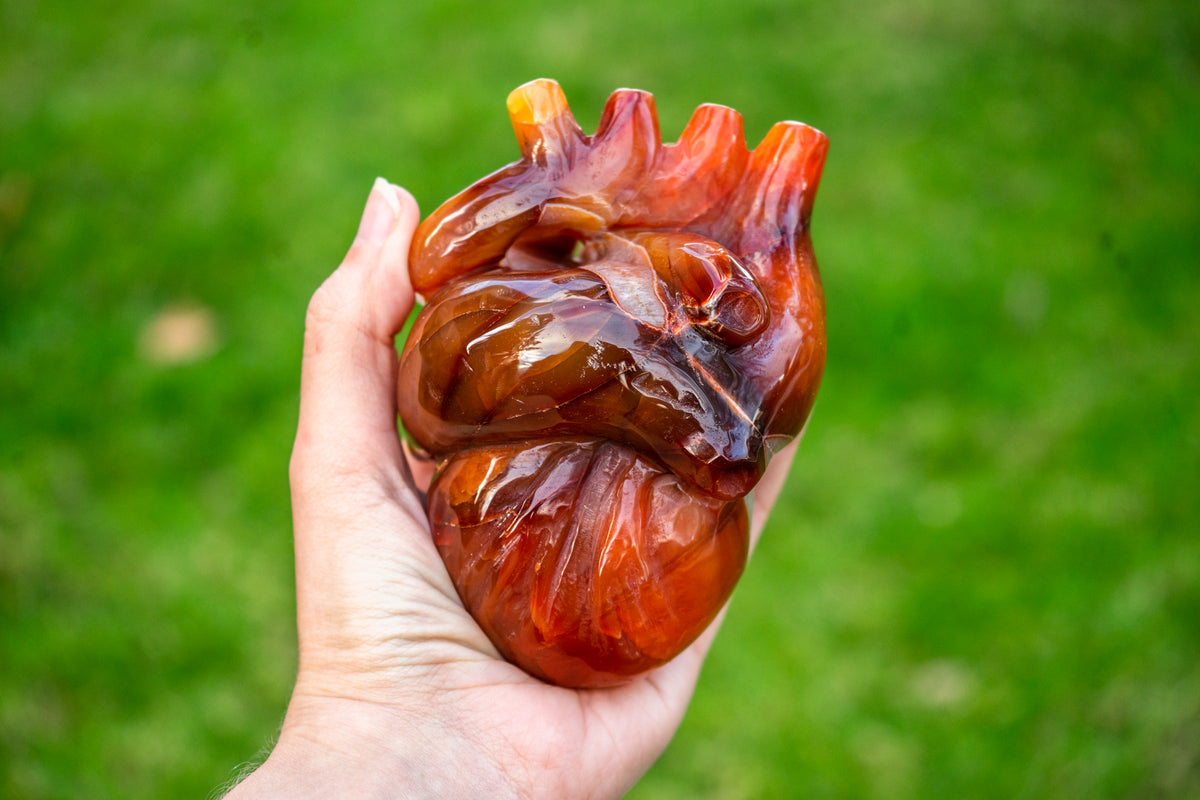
(399, 693)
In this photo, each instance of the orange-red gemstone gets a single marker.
(618, 334)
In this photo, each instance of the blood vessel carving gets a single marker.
(618, 335)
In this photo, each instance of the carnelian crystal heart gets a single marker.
(618, 335)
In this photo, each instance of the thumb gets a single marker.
(347, 422)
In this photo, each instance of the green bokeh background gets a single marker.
(984, 578)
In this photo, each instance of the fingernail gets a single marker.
(379, 217)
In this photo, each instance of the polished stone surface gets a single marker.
(618, 335)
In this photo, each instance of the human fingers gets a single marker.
(347, 422)
(768, 489)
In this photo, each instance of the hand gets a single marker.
(399, 693)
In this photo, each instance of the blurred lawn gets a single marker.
(985, 580)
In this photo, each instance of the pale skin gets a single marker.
(399, 693)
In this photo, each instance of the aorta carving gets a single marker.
(618, 335)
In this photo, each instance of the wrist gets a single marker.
(335, 747)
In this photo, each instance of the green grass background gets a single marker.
(984, 580)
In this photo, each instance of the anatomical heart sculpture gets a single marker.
(619, 333)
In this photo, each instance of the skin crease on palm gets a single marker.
(399, 692)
